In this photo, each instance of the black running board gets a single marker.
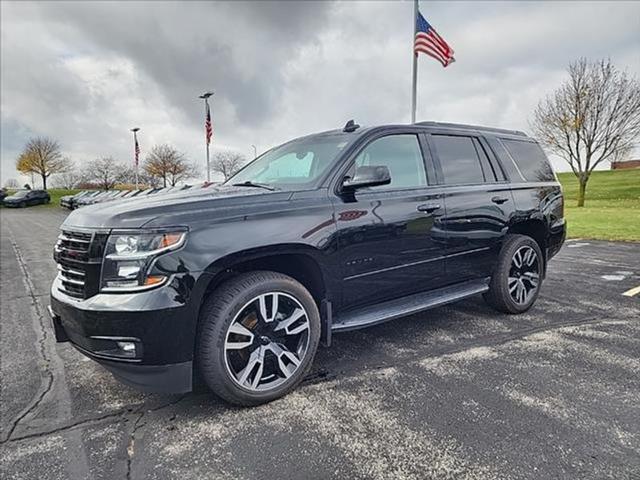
(400, 307)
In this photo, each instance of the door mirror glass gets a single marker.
(368, 176)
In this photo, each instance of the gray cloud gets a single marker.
(237, 47)
(86, 72)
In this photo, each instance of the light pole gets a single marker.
(208, 128)
(136, 149)
(255, 152)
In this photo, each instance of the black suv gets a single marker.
(329, 232)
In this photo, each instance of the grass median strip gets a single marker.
(612, 206)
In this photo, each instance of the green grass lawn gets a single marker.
(612, 205)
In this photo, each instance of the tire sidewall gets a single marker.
(219, 377)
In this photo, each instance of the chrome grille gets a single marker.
(76, 266)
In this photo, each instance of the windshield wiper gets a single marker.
(249, 183)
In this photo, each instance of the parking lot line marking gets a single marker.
(632, 292)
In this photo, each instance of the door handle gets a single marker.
(428, 207)
(499, 200)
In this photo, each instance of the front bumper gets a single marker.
(161, 328)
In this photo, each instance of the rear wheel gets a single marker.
(516, 281)
(258, 336)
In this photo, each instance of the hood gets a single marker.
(11, 198)
(172, 209)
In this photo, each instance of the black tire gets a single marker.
(216, 317)
(23, 204)
(499, 295)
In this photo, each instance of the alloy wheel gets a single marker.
(524, 275)
(267, 341)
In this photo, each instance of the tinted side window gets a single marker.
(458, 159)
(487, 167)
(530, 159)
(401, 154)
(505, 160)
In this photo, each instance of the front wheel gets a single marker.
(515, 283)
(257, 338)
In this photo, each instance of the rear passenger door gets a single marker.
(478, 204)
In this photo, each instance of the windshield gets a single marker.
(21, 193)
(297, 164)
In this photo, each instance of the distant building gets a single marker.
(625, 164)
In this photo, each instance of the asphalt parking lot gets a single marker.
(458, 392)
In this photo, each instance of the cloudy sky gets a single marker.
(86, 72)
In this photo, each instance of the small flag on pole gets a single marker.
(207, 126)
(428, 41)
(137, 151)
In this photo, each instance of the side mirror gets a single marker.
(368, 176)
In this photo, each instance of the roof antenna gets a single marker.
(351, 126)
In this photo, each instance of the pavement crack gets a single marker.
(42, 340)
(137, 425)
(63, 428)
(132, 442)
(90, 421)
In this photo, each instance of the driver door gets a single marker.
(388, 241)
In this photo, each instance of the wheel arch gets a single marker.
(301, 262)
(537, 229)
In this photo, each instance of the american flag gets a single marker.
(137, 151)
(208, 128)
(428, 41)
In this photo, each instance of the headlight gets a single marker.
(129, 255)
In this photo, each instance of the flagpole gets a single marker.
(135, 151)
(415, 63)
(207, 111)
(205, 96)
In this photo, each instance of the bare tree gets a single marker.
(67, 179)
(41, 156)
(11, 183)
(105, 172)
(227, 162)
(168, 164)
(592, 118)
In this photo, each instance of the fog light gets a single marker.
(128, 347)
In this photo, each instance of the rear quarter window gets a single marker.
(530, 160)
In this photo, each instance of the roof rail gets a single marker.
(472, 127)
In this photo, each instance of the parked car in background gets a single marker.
(91, 199)
(3, 194)
(26, 198)
(84, 200)
(331, 232)
(67, 201)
